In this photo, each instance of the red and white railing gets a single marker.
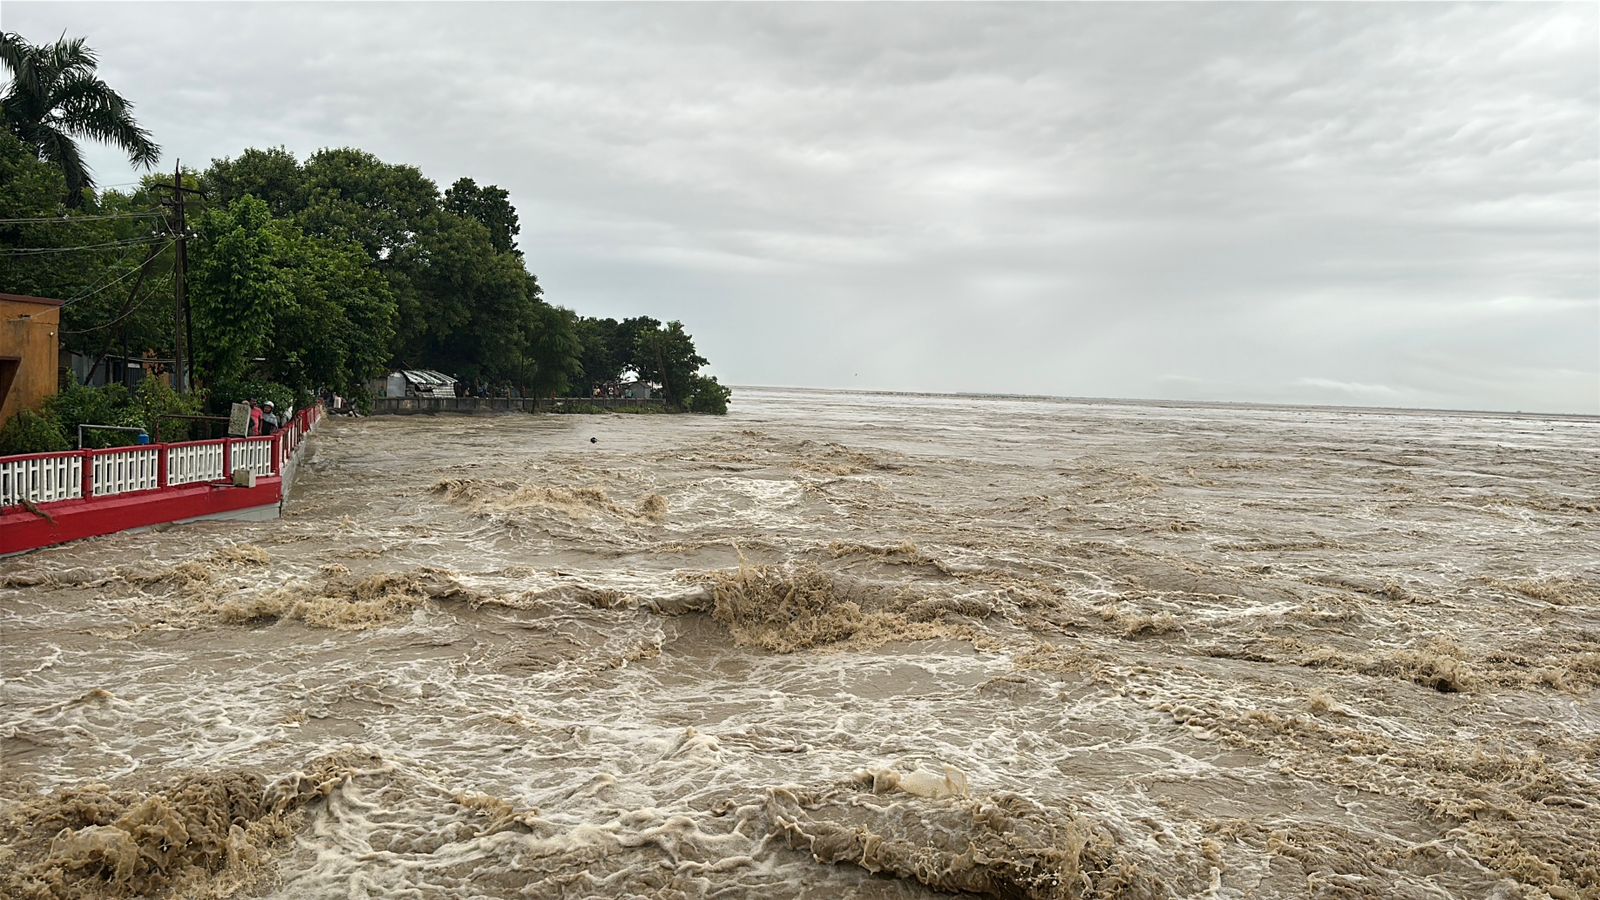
(195, 461)
(123, 470)
(254, 454)
(40, 478)
(83, 474)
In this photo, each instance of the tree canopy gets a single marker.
(303, 274)
(55, 99)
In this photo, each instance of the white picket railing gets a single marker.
(41, 478)
(254, 454)
(52, 477)
(121, 471)
(188, 463)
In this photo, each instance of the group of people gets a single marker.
(264, 418)
(484, 390)
(337, 405)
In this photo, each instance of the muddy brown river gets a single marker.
(834, 645)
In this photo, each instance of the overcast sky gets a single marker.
(1376, 204)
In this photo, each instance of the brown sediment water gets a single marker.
(834, 645)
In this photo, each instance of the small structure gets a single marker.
(414, 383)
(111, 368)
(636, 390)
(30, 330)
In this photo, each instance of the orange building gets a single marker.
(30, 330)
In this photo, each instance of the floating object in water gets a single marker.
(594, 440)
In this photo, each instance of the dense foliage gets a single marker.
(54, 97)
(55, 427)
(304, 275)
(653, 352)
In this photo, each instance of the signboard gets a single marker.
(239, 420)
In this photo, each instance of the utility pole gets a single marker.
(182, 321)
(127, 310)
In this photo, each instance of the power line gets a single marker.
(136, 307)
(109, 245)
(122, 277)
(68, 220)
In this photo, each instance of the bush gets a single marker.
(110, 405)
(31, 432)
(154, 399)
(55, 427)
(707, 396)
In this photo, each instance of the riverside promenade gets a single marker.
(52, 498)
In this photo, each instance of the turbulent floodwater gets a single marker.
(834, 646)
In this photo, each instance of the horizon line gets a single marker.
(1156, 401)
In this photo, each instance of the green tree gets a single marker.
(37, 257)
(272, 175)
(336, 332)
(556, 351)
(237, 287)
(597, 354)
(30, 189)
(667, 356)
(351, 195)
(707, 396)
(271, 300)
(118, 309)
(490, 205)
(55, 99)
(466, 308)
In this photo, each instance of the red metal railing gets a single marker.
(42, 478)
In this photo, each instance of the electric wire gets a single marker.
(121, 278)
(51, 220)
(136, 307)
(109, 245)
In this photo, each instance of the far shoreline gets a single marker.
(1187, 404)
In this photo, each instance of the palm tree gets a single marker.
(55, 98)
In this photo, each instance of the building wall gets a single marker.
(32, 342)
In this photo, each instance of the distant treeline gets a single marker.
(323, 274)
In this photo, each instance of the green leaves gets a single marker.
(313, 311)
(490, 206)
(239, 286)
(351, 195)
(667, 355)
(707, 396)
(55, 97)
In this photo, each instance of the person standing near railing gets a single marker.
(269, 418)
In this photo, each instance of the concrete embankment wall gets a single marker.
(410, 406)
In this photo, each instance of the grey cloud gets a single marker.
(1394, 204)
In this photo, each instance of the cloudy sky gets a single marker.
(1376, 204)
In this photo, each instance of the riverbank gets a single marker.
(410, 406)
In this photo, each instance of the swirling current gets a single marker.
(834, 645)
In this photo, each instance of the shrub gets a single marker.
(707, 396)
(31, 432)
(154, 399)
(55, 427)
(110, 405)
